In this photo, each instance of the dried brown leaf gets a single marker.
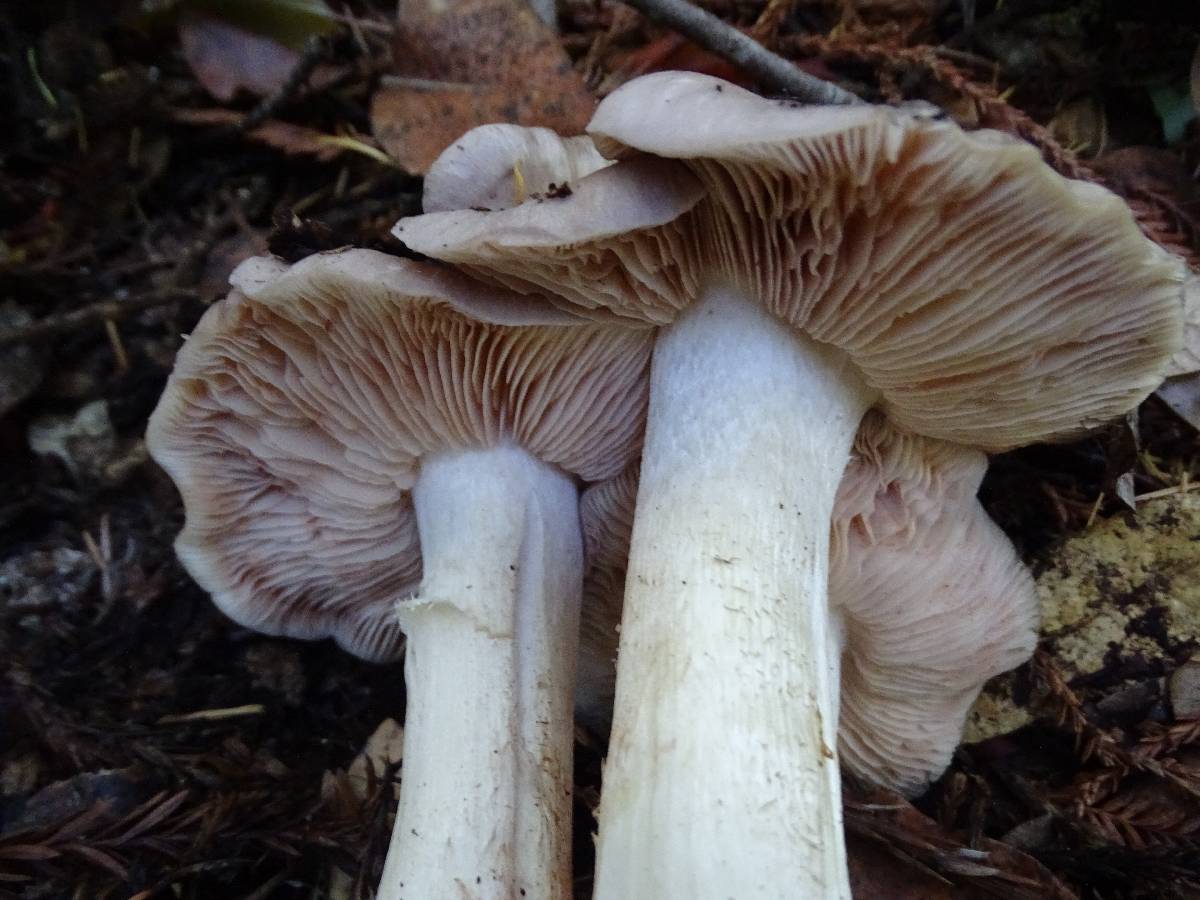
(294, 140)
(992, 866)
(150, 815)
(28, 852)
(81, 824)
(878, 873)
(445, 85)
(99, 858)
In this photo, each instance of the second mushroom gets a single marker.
(832, 260)
(354, 423)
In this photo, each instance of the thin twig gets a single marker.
(96, 313)
(772, 71)
(1182, 488)
(214, 715)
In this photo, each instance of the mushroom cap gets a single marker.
(479, 169)
(299, 410)
(601, 251)
(990, 301)
(934, 597)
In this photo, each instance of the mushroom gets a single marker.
(348, 425)
(606, 512)
(499, 166)
(840, 259)
(933, 601)
(929, 593)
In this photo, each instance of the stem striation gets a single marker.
(721, 779)
(485, 800)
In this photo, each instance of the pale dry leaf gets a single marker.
(291, 22)
(1182, 394)
(444, 86)
(84, 441)
(1181, 389)
(226, 59)
(383, 748)
(1187, 360)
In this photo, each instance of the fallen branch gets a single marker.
(772, 71)
(95, 314)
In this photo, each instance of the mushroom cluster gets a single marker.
(368, 446)
(846, 308)
(928, 593)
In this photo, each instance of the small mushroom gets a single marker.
(500, 166)
(836, 259)
(927, 591)
(366, 444)
(933, 601)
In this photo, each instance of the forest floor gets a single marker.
(149, 747)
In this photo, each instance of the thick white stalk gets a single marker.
(721, 779)
(485, 795)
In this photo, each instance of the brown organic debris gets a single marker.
(443, 86)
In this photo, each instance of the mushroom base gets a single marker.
(485, 798)
(721, 779)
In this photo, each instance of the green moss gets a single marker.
(1128, 588)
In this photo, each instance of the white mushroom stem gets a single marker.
(485, 795)
(721, 779)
